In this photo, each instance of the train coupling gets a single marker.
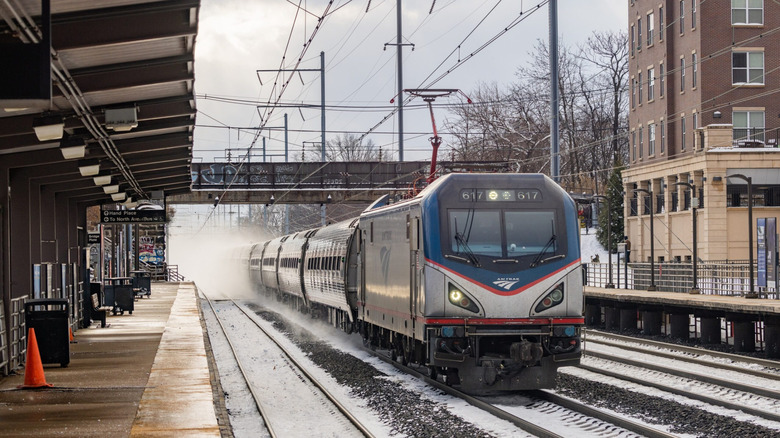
(526, 352)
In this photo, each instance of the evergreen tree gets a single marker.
(614, 192)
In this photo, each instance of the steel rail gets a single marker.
(689, 394)
(767, 363)
(352, 419)
(255, 397)
(527, 426)
(691, 375)
(618, 420)
(693, 360)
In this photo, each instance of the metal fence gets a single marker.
(729, 278)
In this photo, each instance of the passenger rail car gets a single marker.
(477, 278)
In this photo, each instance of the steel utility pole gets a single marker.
(555, 163)
(322, 103)
(399, 52)
(321, 70)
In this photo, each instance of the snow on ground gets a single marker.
(590, 247)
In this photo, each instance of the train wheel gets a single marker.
(433, 373)
(451, 377)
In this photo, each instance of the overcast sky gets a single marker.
(237, 38)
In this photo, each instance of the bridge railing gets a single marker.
(307, 175)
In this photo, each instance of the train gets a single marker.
(477, 278)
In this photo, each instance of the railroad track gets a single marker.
(275, 408)
(566, 416)
(711, 377)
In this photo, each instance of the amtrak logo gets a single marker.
(506, 283)
(384, 259)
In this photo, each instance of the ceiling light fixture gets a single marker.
(121, 119)
(73, 147)
(111, 189)
(48, 127)
(89, 167)
(118, 196)
(102, 178)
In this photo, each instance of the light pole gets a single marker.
(652, 239)
(749, 181)
(609, 285)
(694, 205)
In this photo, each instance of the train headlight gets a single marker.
(552, 299)
(460, 299)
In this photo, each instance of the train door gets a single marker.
(361, 273)
(413, 229)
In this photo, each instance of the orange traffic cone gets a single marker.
(33, 368)
(70, 331)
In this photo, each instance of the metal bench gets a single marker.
(99, 312)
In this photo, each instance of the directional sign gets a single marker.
(132, 216)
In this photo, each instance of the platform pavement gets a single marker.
(718, 303)
(146, 374)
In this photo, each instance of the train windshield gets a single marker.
(502, 233)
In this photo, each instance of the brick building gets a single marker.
(703, 104)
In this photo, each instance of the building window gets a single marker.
(633, 92)
(639, 88)
(663, 136)
(639, 34)
(682, 74)
(748, 125)
(633, 39)
(633, 145)
(650, 28)
(660, 23)
(695, 122)
(682, 16)
(641, 142)
(650, 84)
(694, 70)
(747, 67)
(662, 76)
(651, 139)
(764, 195)
(693, 14)
(747, 12)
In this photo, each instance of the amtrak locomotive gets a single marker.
(477, 278)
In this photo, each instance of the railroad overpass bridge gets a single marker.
(312, 182)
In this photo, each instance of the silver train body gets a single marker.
(477, 278)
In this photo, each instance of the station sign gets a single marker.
(132, 216)
(766, 239)
(93, 238)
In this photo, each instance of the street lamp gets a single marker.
(652, 239)
(694, 205)
(749, 181)
(609, 285)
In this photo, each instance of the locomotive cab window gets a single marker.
(502, 235)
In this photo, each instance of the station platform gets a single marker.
(145, 374)
(715, 303)
(749, 325)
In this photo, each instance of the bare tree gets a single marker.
(348, 147)
(608, 52)
(513, 124)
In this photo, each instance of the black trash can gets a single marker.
(119, 294)
(49, 319)
(142, 282)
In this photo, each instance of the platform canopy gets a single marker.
(120, 75)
